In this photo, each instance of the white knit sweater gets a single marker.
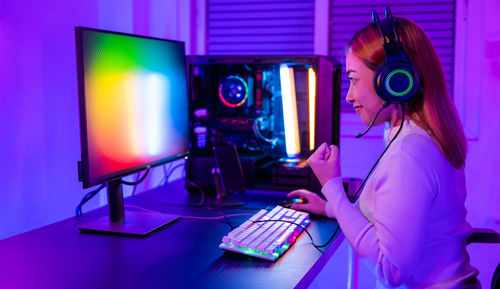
(410, 222)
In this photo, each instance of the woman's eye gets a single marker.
(352, 80)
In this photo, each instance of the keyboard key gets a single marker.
(267, 239)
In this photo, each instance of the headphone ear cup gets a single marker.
(396, 81)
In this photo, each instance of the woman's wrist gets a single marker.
(333, 182)
(333, 190)
(329, 211)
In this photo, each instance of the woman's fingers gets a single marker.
(298, 193)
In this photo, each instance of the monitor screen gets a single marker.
(133, 103)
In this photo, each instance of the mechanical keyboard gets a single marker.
(266, 240)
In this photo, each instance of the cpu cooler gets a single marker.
(233, 91)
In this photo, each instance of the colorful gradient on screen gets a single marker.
(135, 102)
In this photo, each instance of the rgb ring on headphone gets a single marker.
(233, 91)
(396, 81)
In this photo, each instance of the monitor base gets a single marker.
(135, 223)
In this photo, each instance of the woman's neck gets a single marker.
(396, 116)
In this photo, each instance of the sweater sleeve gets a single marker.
(403, 198)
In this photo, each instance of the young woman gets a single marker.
(409, 222)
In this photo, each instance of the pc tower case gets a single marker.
(275, 109)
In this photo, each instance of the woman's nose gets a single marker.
(349, 97)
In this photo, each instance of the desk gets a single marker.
(183, 254)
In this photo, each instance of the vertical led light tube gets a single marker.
(290, 118)
(312, 107)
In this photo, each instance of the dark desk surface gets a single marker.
(183, 254)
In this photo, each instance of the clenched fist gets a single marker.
(325, 163)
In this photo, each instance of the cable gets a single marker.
(259, 134)
(135, 187)
(215, 218)
(199, 205)
(358, 135)
(141, 208)
(200, 189)
(86, 198)
(188, 217)
(170, 204)
(136, 182)
(403, 109)
(298, 225)
(331, 238)
(203, 200)
(165, 172)
(222, 215)
(171, 171)
(165, 169)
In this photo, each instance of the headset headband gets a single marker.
(396, 81)
(388, 30)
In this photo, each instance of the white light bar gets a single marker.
(290, 118)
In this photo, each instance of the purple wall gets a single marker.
(39, 112)
(40, 143)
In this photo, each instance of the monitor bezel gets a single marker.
(85, 167)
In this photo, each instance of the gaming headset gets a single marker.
(396, 81)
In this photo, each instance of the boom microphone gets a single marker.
(358, 135)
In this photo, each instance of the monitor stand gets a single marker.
(135, 223)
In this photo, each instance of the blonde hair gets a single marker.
(432, 108)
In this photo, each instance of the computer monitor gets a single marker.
(133, 115)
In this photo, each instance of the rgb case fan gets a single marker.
(233, 91)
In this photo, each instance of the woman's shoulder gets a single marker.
(419, 145)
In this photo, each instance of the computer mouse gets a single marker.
(292, 201)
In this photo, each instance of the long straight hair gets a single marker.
(432, 107)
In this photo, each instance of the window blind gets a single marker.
(260, 27)
(437, 18)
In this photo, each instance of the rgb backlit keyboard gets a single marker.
(266, 240)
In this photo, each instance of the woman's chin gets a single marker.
(365, 119)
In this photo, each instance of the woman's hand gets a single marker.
(314, 203)
(325, 163)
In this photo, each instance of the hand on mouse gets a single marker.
(314, 203)
(325, 163)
